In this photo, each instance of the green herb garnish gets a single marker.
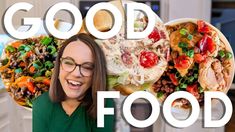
(200, 89)
(160, 94)
(48, 73)
(177, 88)
(195, 75)
(229, 55)
(184, 50)
(182, 85)
(37, 64)
(177, 75)
(27, 48)
(5, 61)
(18, 70)
(190, 53)
(183, 31)
(22, 47)
(46, 40)
(190, 79)
(51, 49)
(221, 54)
(10, 48)
(183, 45)
(190, 37)
(49, 64)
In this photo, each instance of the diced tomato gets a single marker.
(163, 35)
(126, 58)
(148, 59)
(173, 103)
(16, 44)
(202, 27)
(30, 53)
(206, 44)
(27, 84)
(22, 64)
(32, 69)
(193, 89)
(198, 58)
(24, 81)
(30, 87)
(155, 35)
(173, 79)
(196, 50)
(182, 62)
(46, 81)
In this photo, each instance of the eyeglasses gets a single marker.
(69, 65)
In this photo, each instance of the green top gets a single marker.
(51, 117)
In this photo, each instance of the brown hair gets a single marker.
(56, 91)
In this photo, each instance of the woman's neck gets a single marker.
(70, 105)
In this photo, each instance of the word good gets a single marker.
(49, 20)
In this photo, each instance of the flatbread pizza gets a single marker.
(135, 65)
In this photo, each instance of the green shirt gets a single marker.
(51, 117)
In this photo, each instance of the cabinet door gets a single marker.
(9, 117)
(200, 9)
(4, 115)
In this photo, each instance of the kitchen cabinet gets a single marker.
(174, 9)
(13, 118)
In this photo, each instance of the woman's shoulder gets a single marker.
(109, 102)
(42, 101)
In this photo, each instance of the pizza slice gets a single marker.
(134, 64)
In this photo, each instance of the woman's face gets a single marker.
(74, 82)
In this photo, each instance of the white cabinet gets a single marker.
(174, 9)
(13, 118)
(4, 115)
(217, 112)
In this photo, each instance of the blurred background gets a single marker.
(221, 13)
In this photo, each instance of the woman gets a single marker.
(71, 104)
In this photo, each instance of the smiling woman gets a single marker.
(80, 72)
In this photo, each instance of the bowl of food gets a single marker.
(201, 59)
(26, 65)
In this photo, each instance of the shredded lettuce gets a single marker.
(118, 80)
(145, 86)
(123, 77)
(29, 102)
(112, 81)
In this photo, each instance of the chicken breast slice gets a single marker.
(211, 76)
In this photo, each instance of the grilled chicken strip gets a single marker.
(211, 75)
